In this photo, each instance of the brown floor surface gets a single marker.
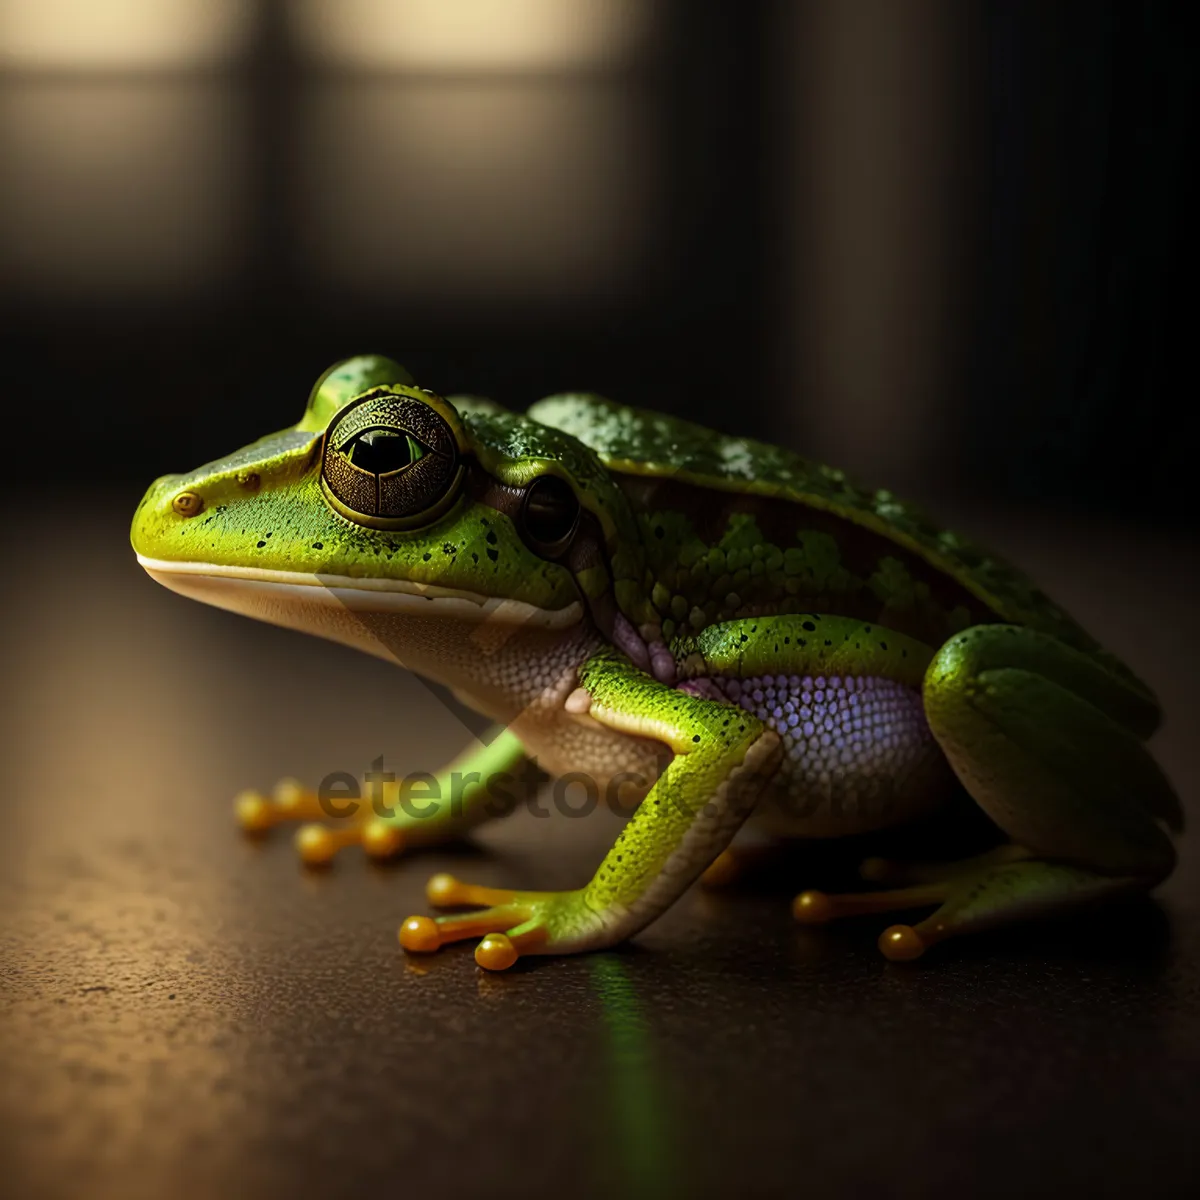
(185, 1014)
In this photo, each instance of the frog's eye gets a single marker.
(549, 515)
(390, 461)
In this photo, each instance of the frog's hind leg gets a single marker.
(925, 883)
(443, 807)
(893, 871)
(1002, 895)
(1048, 743)
(969, 901)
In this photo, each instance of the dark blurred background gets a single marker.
(946, 243)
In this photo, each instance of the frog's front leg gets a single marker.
(723, 757)
(1049, 744)
(422, 811)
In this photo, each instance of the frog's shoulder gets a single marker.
(638, 442)
(469, 406)
(515, 448)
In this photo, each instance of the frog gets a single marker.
(718, 631)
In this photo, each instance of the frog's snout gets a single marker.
(166, 500)
(169, 492)
(151, 501)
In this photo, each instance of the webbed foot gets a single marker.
(510, 923)
(317, 840)
(455, 801)
(971, 897)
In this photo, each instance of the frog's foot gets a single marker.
(458, 798)
(737, 860)
(891, 871)
(819, 908)
(970, 900)
(317, 842)
(509, 923)
(1048, 742)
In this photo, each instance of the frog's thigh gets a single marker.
(1044, 740)
(471, 790)
(1028, 732)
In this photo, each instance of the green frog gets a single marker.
(709, 627)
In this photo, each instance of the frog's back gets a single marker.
(657, 455)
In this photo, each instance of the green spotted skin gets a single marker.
(821, 645)
(831, 544)
(704, 621)
(650, 445)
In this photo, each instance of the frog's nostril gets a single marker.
(187, 504)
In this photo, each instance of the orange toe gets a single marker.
(254, 812)
(316, 845)
(901, 943)
(813, 908)
(381, 840)
(419, 935)
(722, 871)
(443, 890)
(496, 952)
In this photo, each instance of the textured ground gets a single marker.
(186, 1014)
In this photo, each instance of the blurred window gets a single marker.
(473, 35)
(118, 188)
(453, 191)
(123, 34)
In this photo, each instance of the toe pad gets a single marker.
(813, 908)
(419, 935)
(496, 952)
(901, 943)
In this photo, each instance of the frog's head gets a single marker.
(386, 502)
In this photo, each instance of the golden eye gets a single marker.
(391, 461)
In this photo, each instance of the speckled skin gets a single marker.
(669, 619)
(857, 750)
(904, 571)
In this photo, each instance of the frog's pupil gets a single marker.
(382, 450)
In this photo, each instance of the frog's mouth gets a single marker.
(293, 598)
